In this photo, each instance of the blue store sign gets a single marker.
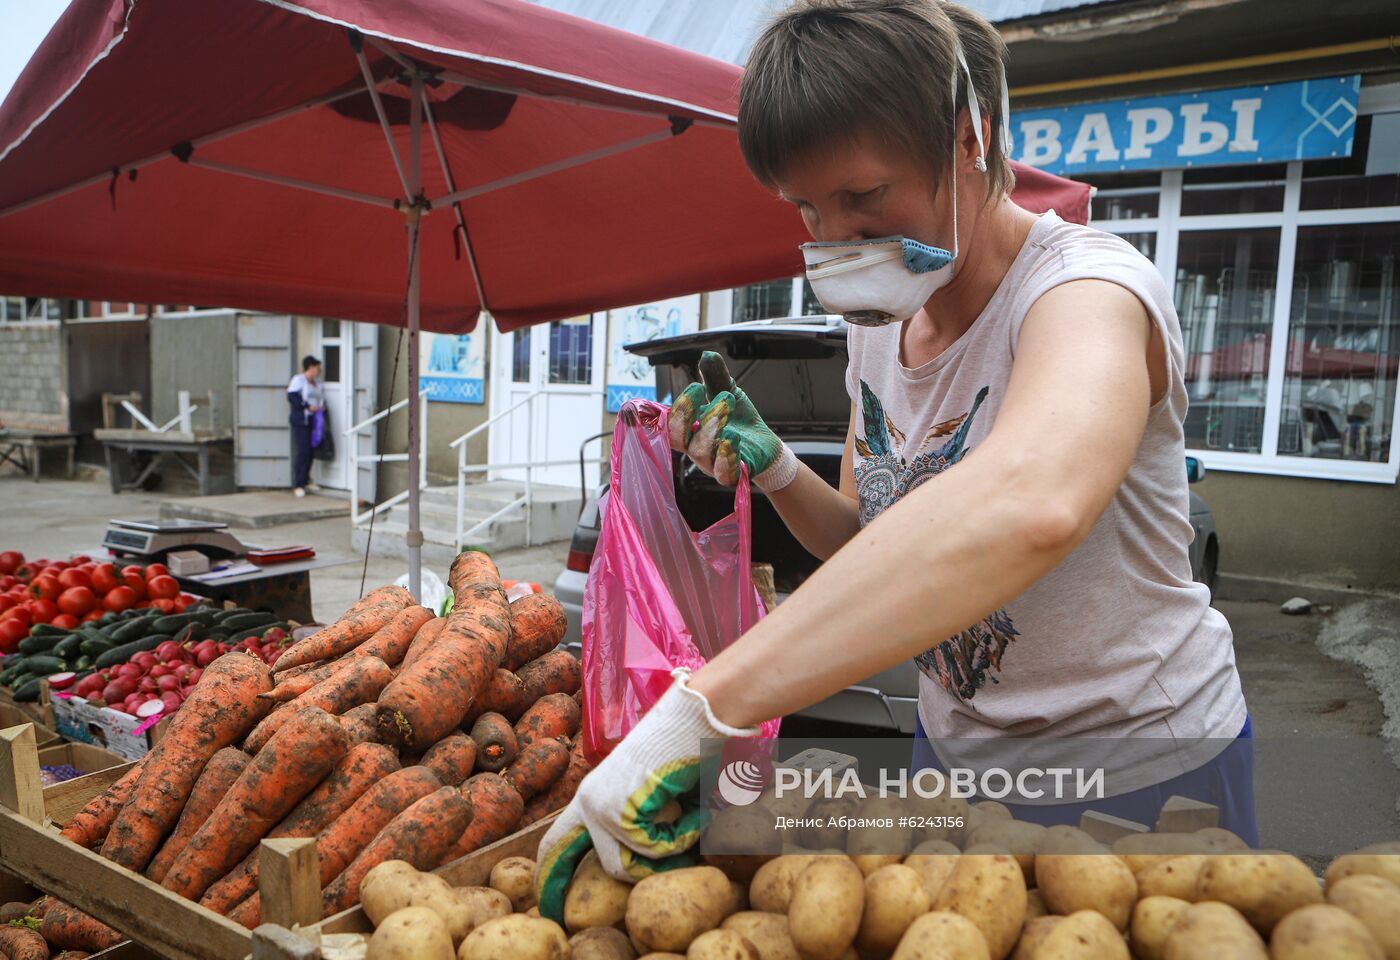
(1306, 120)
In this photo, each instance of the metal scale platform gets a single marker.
(154, 539)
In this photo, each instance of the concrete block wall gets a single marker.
(31, 376)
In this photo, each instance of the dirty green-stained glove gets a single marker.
(715, 424)
(616, 805)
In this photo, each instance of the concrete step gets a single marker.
(553, 516)
(256, 509)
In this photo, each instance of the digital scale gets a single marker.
(154, 539)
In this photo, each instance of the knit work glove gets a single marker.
(616, 806)
(715, 424)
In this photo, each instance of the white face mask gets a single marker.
(875, 282)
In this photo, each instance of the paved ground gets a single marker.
(1318, 686)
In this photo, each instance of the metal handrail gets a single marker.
(392, 408)
(358, 516)
(455, 444)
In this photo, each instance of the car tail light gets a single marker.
(579, 561)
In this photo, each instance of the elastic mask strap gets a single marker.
(1005, 117)
(974, 108)
(842, 264)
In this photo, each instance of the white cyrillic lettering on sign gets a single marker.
(1245, 111)
(1200, 136)
(1040, 142)
(1094, 137)
(1147, 126)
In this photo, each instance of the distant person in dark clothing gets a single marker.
(305, 396)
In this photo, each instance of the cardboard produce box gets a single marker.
(127, 736)
(12, 716)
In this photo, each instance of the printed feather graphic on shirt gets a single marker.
(962, 664)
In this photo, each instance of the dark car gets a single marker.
(794, 371)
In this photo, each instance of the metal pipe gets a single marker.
(456, 207)
(414, 537)
(294, 183)
(555, 167)
(1211, 66)
(409, 187)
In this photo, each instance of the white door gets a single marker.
(562, 363)
(336, 351)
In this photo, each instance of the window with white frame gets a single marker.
(1285, 279)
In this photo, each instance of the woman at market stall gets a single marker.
(1043, 586)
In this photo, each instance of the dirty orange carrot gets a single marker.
(451, 758)
(365, 765)
(89, 825)
(429, 698)
(537, 625)
(562, 791)
(358, 624)
(505, 694)
(361, 724)
(220, 711)
(290, 687)
(294, 761)
(537, 767)
(553, 716)
(426, 636)
(22, 943)
(67, 927)
(357, 684)
(496, 812)
(556, 672)
(392, 640)
(496, 746)
(420, 836)
(220, 773)
(342, 841)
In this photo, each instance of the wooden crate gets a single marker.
(164, 924)
(11, 715)
(40, 712)
(473, 870)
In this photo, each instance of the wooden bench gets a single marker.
(24, 448)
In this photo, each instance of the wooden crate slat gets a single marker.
(473, 870)
(63, 800)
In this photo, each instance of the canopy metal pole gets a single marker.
(415, 535)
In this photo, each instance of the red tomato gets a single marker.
(77, 601)
(12, 632)
(164, 605)
(52, 570)
(119, 599)
(6, 603)
(21, 613)
(26, 571)
(163, 587)
(91, 615)
(81, 558)
(143, 605)
(104, 578)
(74, 578)
(65, 621)
(8, 581)
(45, 587)
(181, 604)
(43, 611)
(157, 570)
(135, 581)
(10, 561)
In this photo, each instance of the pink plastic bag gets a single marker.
(658, 595)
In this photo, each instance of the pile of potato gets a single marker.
(991, 889)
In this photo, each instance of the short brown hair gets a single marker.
(824, 70)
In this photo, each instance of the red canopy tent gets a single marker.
(266, 154)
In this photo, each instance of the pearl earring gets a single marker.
(980, 164)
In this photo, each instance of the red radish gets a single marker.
(184, 670)
(208, 656)
(145, 661)
(160, 670)
(146, 685)
(132, 670)
(62, 681)
(95, 700)
(172, 701)
(150, 708)
(275, 635)
(193, 677)
(167, 650)
(274, 656)
(167, 684)
(118, 689)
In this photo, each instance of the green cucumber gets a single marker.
(67, 648)
(131, 630)
(21, 679)
(12, 671)
(172, 622)
(40, 644)
(257, 631)
(84, 663)
(29, 693)
(43, 666)
(128, 650)
(245, 620)
(46, 630)
(231, 612)
(95, 646)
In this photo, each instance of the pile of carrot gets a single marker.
(390, 734)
